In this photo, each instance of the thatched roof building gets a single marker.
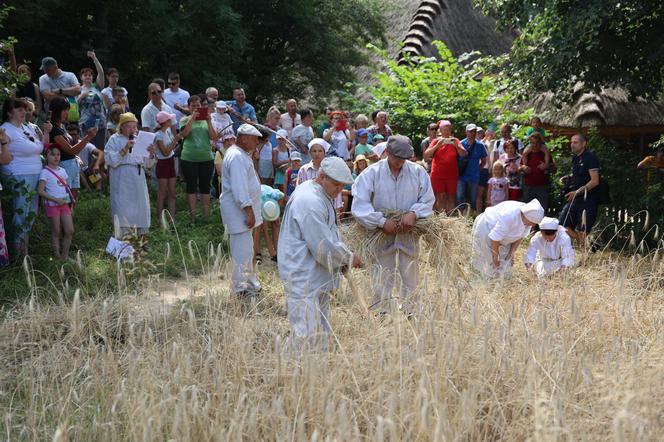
(464, 28)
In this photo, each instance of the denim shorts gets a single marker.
(73, 170)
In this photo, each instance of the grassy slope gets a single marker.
(98, 275)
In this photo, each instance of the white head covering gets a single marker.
(248, 129)
(336, 168)
(283, 133)
(380, 148)
(533, 211)
(548, 223)
(221, 105)
(296, 156)
(321, 142)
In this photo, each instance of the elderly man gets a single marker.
(550, 249)
(311, 254)
(498, 232)
(56, 83)
(241, 208)
(380, 127)
(290, 118)
(580, 212)
(212, 95)
(394, 184)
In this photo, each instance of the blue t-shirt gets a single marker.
(472, 173)
(247, 111)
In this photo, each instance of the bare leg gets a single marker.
(438, 205)
(161, 195)
(205, 204)
(276, 225)
(479, 201)
(191, 201)
(68, 234)
(56, 231)
(268, 239)
(171, 187)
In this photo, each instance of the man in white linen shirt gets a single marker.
(550, 249)
(240, 203)
(312, 255)
(394, 184)
(290, 118)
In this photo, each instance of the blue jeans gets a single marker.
(73, 170)
(24, 204)
(466, 193)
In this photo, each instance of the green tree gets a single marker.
(275, 48)
(595, 42)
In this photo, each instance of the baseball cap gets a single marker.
(470, 127)
(47, 62)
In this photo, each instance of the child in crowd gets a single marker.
(360, 164)
(280, 158)
(363, 147)
(57, 195)
(165, 143)
(290, 180)
(113, 119)
(498, 185)
(228, 139)
(347, 191)
(91, 160)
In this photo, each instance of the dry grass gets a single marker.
(580, 357)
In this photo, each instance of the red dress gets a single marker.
(444, 169)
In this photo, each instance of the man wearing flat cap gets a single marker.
(312, 255)
(394, 184)
(241, 208)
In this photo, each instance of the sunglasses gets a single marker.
(156, 92)
(29, 136)
(172, 82)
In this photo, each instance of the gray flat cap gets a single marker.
(400, 146)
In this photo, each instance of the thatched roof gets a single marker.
(611, 107)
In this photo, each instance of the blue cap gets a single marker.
(362, 132)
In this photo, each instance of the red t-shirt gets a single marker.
(536, 177)
(444, 162)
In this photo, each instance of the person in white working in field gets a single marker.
(394, 184)
(312, 255)
(550, 249)
(240, 203)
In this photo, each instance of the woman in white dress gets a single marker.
(130, 202)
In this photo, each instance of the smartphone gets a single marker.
(202, 113)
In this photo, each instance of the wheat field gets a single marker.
(577, 357)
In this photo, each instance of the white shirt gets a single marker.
(265, 153)
(166, 137)
(178, 97)
(560, 248)
(310, 250)
(376, 191)
(54, 187)
(149, 114)
(301, 136)
(108, 92)
(240, 188)
(288, 123)
(222, 123)
(505, 222)
(85, 155)
(500, 145)
(339, 142)
(26, 158)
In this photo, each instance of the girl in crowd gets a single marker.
(91, 102)
(498, 185)
(512, 162)
(113, 119)
(130, 202)
(59, 108)
(280, 158)
(165, 143)
(20, 175)
(360, 164)
(196, 159)
(57, 196)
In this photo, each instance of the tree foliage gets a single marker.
(591, 42)
(426, 90)
(275, 48)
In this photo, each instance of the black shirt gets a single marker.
(59, 131)
(581, 167)
(26, 90)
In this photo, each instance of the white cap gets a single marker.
(533, 211)
(380, 148)
(296, 156)
(336, 168)
(548, 223)
(283, 133)
(321, 142)
(221, 105)
(479, 128)
(248, 129)
(470, 127)
(270, 210)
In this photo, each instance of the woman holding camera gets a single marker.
(130, 202)
(196, 159)
(443, 153)
(339, 137)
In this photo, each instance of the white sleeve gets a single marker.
(238, 179)
(362, 207)
(112, 155)
(499, 231)
(425, 197)
(566, 250)
(327, 250)
(531, 254)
